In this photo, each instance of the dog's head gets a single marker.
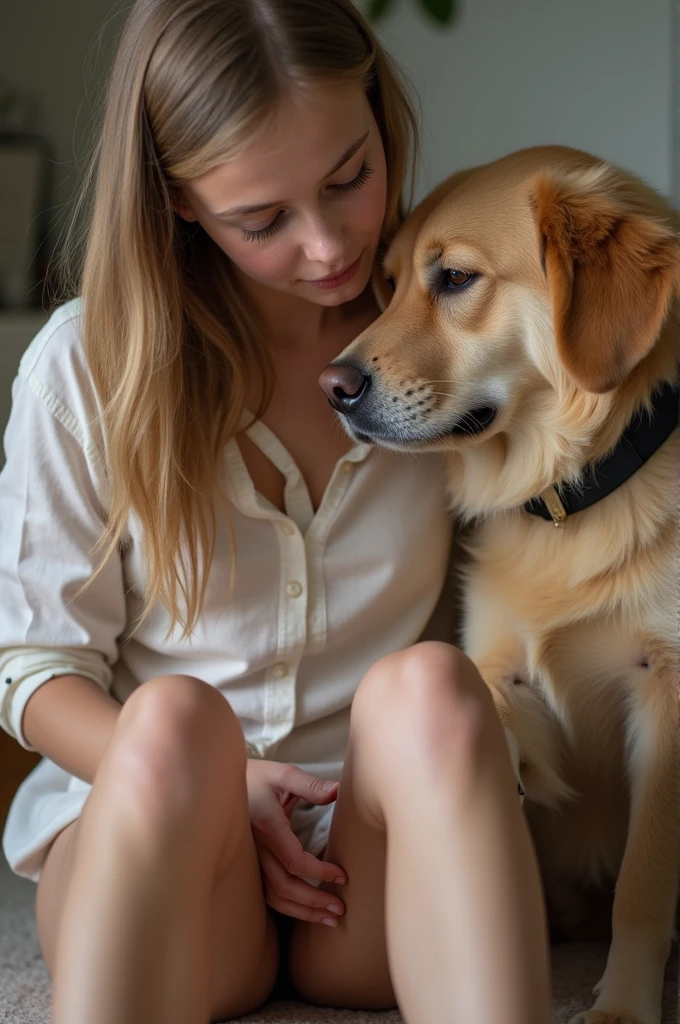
(521, 299)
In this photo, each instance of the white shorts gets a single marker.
(50, 798)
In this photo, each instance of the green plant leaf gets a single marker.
(441, 10)
(378, 8)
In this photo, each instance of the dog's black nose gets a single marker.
(344, 386)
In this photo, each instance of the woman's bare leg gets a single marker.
(443, 884)
(162, 914)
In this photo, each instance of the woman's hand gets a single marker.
(273, 791)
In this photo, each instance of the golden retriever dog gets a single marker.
(529, 331)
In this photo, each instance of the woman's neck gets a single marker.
(295, 322)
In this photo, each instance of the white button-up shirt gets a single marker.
(319, 596)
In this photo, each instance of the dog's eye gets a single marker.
(458, 279)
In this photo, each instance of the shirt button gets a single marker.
(347, 467)
(280, 670)
(293, 588)
(289, 529)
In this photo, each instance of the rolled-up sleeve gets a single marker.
(51, 516)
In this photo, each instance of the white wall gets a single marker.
(595, 74)
(55, 51)
(590, 73)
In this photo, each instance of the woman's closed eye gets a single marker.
(262, 234)
(365, 172)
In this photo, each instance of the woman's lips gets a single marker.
(337, 279)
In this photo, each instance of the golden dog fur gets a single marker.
(567, 327)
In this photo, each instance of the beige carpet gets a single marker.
(25, 984)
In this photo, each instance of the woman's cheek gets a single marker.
(267, 261)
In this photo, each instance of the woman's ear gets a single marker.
(612, 272)
(180, 205)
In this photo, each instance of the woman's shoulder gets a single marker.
(55, 369)
(58, 341)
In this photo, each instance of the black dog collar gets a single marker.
(642, 437)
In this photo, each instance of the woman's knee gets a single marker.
(174, 695)
(174, 737)
(420, 675)
(427, 700)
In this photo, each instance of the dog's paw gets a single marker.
(604, 1017)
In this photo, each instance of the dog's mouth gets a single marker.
(470, 424)
(476, 421)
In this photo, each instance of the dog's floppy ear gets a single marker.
(612, 272)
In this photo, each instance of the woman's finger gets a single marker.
(309, 787)
(285, 845)
(303, 913)
(275, 832)
(284, 891)
(289, 803)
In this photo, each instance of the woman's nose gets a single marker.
(325, 243)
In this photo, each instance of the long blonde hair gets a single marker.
(165, 329)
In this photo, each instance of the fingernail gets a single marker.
(328, 786)
(340, 881)
(334, 909)
(330, 921)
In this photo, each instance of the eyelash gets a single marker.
(261, 235)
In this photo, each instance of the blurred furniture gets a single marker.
(23, 212)
(15, 764)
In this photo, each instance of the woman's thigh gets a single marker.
(244, 947)
(51, 893)
(347, 965)
(243, 974)
(395, 718)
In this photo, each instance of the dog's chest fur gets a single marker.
(566, 626)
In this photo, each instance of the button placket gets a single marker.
(315, 543)
(301, 535)
(280, 686)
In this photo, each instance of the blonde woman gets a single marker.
(180, 509)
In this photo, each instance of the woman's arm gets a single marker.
(57, 643)
(71, 720)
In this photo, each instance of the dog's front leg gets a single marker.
(630, 991)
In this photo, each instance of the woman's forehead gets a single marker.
(299, 146)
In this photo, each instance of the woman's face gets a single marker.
(301, 209)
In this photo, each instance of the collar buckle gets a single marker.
(551, 498)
